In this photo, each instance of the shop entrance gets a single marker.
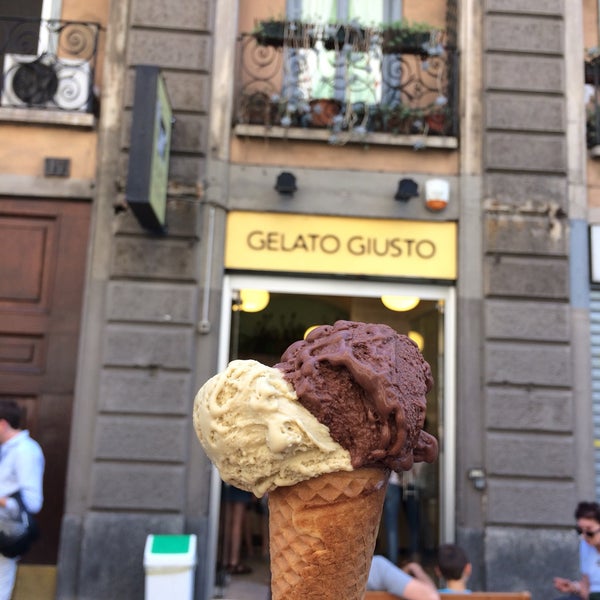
(261, 317)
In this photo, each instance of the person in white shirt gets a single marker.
(21, 470)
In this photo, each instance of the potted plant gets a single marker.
(397, 119)
(323, 111)
(279, 32)
(438, 120)
(592, 66)
(337, 35)
(591, 127)
(401, 37)
(257, 108)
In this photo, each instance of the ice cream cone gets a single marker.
(322, 535)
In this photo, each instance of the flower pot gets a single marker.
(323, 111)
(399, 41)
(257, 109)
(277, 34)
(437, 122)
(592, 68)
(397, 120)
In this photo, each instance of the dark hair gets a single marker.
(11, 412)
(588, 510)
(452, 560)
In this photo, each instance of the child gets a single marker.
(454, 567)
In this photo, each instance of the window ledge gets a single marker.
(47, 117)
(346, 137)
(595, 151)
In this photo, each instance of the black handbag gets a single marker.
(16, 536)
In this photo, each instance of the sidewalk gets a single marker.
(35, 582)
(254, 586)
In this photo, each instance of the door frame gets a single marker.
(367, 289)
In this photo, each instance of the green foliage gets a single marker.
(405, 37)
(403, 27)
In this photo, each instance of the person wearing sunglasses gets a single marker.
(587, 516)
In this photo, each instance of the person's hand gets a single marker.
(414, 569)
(561, 584)
(566, 586)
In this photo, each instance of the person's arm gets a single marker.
(387, 577)
(422, 586)
(585, 587)
(567, 586)
(30, 473)
(417, 590)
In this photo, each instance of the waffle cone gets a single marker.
(322, 535)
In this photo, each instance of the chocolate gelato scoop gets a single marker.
(367, 384)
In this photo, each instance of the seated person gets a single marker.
(410, 583)
(587, 517)
(454, 567)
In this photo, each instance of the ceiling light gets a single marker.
(253, 300)
(400, 303)
(311, 328)
(417, 338)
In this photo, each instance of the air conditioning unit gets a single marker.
(46, 82)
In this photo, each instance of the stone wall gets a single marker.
(529, 404)
(133, 447)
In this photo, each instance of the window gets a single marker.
(30, 39)
(352, 66)
(47, 62)
(348, 70)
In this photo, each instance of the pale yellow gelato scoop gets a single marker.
(258, 435)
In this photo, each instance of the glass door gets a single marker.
(261, 317)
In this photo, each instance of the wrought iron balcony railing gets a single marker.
(351, 80)
(48, 64)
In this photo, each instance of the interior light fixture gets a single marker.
(253, 300)
(417, 338)
(400, 303)
(309, 330)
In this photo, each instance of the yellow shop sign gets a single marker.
(340, 245)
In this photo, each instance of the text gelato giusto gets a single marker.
(357, 245)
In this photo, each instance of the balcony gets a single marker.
(347, 84)
(592, 84)
(48, 65)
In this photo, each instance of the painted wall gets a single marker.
(30, 145)
(352, 156)
(137, 467)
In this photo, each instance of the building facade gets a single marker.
(109, 328)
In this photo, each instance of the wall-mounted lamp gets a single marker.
(407, 189)
(400, 303)
(286, 183)
(437, 193)
(252, 300)
(477, 478)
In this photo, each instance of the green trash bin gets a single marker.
(170, 564)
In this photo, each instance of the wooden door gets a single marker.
(43, 247)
